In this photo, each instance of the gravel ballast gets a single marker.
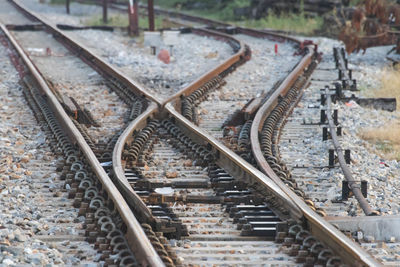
(192, 56)
(304, 144)
(250, 80)
(38, 224)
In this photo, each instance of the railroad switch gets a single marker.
(346, 191)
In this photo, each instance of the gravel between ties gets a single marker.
(248, 81)
(381, 174)
(72, 77)
(324, 185)
(32, 200)
(193, 56)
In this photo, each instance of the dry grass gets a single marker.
(390, 84)
(387, 138)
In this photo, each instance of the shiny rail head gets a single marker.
(146, 253)
(235, 165)
(349, 251)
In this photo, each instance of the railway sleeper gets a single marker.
(239, 200)
(296, 241)
(161, 199)
(271, 132)
(102, 220)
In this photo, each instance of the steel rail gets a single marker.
(349, 251)
(197, 19)
(120, 7)
(342, 65)
(143, 250)
(320, 228)
(227, 159)
(355, 188)
(211, 22)
(233, 163)
(133, 85)
(104, 66)
(353, 185)
(239, 55)
(141, 211)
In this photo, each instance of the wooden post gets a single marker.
(150, 6)
(67, 6)
(133, 17)
(105, 11)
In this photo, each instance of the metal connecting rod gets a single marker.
(354, 186)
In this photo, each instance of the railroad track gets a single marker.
(71, 164)
(36, 178)
(220, 182)
(319, 174)
(85, 179)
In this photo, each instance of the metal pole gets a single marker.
(150, 6)
(67, 6)
(105, 11)
(133, 18)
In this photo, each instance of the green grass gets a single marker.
(298, 23)
(58, 2)
(165, 3)
(355, 2)
(289, 22)
(114, 20)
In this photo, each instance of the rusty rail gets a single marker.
(239, 55)
(89, 55)
(337, 241)
(141, 211)
(234, 164)
(147, 254)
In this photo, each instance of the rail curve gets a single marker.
(269, 182)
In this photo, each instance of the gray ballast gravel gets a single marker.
(250, 80)
(10, 15)
(193, 56)
(305, 145)
(79, 13)
(326, 189)
(34, 208)
(72, 77)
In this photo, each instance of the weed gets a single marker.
(386, 139)
(58, 2)
(390, 84)
(288, 22)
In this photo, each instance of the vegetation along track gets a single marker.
(252, 193)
